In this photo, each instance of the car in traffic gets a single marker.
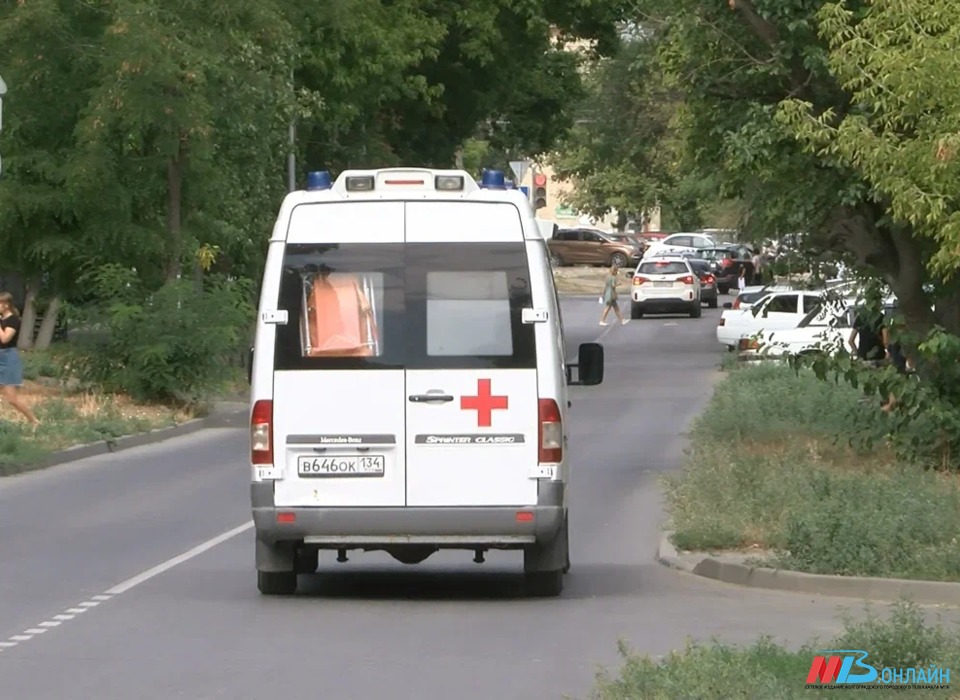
(665, 285)
(585, 246)
(726, 263)
(680, 242)
(708, 282)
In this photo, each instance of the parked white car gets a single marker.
(776, 311)
(754, 293)
(824, 329)
(679, 243)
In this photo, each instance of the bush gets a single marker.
(770, 464)
(176, 344)
(716, 671)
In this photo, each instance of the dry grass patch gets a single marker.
(581, 280)
(71, 418)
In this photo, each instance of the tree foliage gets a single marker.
(152, 135)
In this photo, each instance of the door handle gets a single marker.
(430, 398)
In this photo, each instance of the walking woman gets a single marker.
(610, 297)
(11, 369)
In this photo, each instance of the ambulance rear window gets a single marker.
(468, 313)
(405, 305)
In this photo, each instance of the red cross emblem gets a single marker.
(483, 403)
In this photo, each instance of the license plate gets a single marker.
(344, 465)
(663, 284)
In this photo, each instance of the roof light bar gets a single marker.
(448, 183)
(363, 183)
(493, 180)
(319, 180)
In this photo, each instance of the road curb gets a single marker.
(222, 419)
(882, 589)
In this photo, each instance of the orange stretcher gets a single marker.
(339, 318)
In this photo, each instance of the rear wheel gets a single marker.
(723, 290)
(618, 259)
(712, 303)
(544, 584)
(636, 311)
(545, 563)
(277, 582)
(556, 260)
(696, 310)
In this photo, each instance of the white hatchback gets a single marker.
(665, 285)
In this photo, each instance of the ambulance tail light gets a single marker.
(261, 432)
(551, 432)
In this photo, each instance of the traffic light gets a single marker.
(539, 191)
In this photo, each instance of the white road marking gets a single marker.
(176, 561)
(123, 587)
(670, 323)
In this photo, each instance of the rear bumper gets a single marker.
(451, 526)
(653, 305)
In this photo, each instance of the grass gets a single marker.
(770, 468)
(767, 671)
(70, 417)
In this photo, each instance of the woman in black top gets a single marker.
(11, 369)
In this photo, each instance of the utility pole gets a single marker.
(3, 91)
(292, 154)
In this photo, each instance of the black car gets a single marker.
(708, 281)
(726, 263)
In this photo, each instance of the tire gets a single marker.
(556, 260)
(636, 311)
(696, 311)
(306, 561)
(277, 582)
(723, 290)
(544, 584)
(618, 259)
(545, 563)
(712, 303)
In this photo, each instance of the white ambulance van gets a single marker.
(408, 378)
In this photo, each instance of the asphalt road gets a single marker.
(80, 621)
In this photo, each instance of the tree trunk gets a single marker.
(174, 211)
(49, 324)
(29, 319)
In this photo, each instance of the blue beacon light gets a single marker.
(319, 180)
(493, 180)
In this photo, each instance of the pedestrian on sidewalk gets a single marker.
(11, 368)
(757, 268)
(609, 297)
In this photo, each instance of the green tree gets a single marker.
(43, 236)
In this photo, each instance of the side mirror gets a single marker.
(728, 304)
(589, 366)
(250, 366)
